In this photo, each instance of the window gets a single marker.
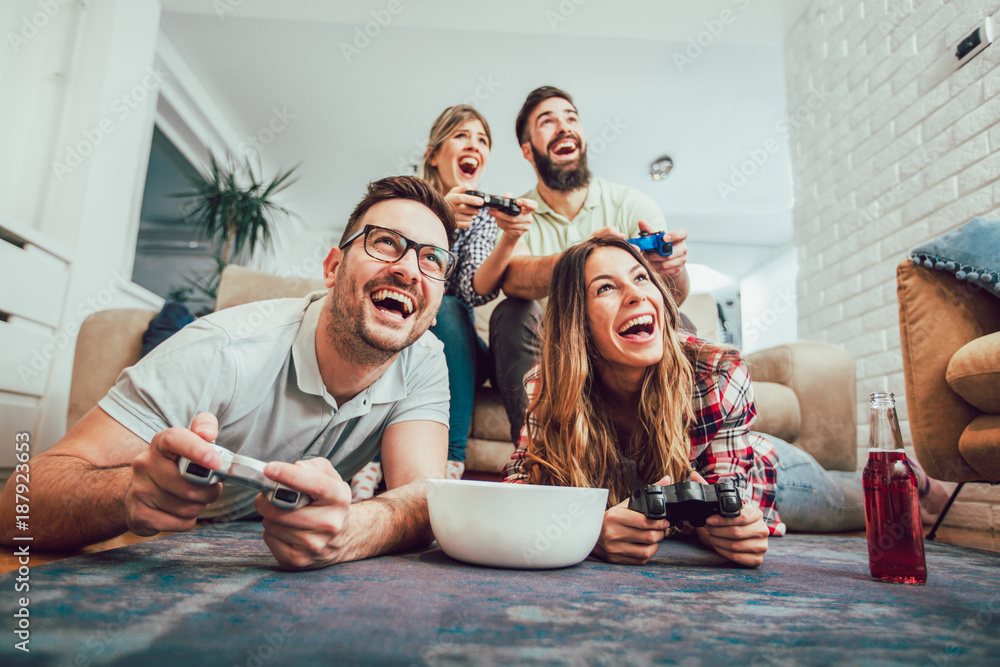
(171, 254)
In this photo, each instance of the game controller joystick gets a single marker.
(653, 241)
(503, 204)
(687, 501)
(244, 471)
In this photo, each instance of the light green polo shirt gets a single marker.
(607, 205)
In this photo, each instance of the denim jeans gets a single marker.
(469, 364)
(811, 499)
(515, 347)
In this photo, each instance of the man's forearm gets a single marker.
(397, 520)
(73, 503)
(529, 277)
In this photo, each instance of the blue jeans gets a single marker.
(811, 499)
(469, 365)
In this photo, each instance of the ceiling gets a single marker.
(760, 22)
(352, 109)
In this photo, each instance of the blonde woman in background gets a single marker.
(458, 150)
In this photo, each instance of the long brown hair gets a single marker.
(442, 128)
(572, 440)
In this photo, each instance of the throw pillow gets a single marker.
(971, 252)
(169, 321)
(974, 373)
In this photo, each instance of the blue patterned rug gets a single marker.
(215, 596)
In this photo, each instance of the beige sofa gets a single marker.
(805, 391)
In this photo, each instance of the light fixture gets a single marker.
(660, 167)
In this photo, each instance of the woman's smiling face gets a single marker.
(625, 310)
(461, 158)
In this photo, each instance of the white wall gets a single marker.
(83, 86)
(35, 61)
(768, 301)
(892, 146)
(364, 119)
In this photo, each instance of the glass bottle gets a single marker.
(892, 507)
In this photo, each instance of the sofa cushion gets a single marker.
(974, 373)
(778, 411)
(239, 285)
(980, 446)
(488, 455)
(489, 419)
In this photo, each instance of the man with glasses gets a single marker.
(326, 381)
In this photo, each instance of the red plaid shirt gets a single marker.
(722, 444)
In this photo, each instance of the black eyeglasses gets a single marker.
(389, 246)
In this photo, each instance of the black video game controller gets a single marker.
(653, 241)
(502, 204)
(687, 501)
(244, 471)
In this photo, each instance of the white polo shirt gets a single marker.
(255, 368)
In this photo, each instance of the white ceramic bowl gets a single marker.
(515, 525)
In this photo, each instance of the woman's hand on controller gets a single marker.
(628, 537)
(742, 539)
(466, 207)
(515, 226)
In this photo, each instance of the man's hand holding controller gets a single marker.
(672, 264)
(161, 499)
(243, 471)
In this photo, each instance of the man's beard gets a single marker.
(349, 332)
(562, 179)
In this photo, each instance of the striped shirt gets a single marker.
(722, 445)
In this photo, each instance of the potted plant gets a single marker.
(239, 216)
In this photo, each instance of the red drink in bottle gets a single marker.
(892, 509)
(892, 519)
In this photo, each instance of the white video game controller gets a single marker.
(244, 471)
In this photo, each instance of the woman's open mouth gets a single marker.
(393, 304)
(637, 329)
(468, 165)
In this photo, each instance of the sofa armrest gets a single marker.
(109, 342)
(823, 378)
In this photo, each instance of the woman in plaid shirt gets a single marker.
(620, 400)
(457, 152)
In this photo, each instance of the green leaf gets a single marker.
(239, 217)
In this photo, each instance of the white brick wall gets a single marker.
(904, 148)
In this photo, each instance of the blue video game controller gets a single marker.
(653, 241)
(243, 471)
